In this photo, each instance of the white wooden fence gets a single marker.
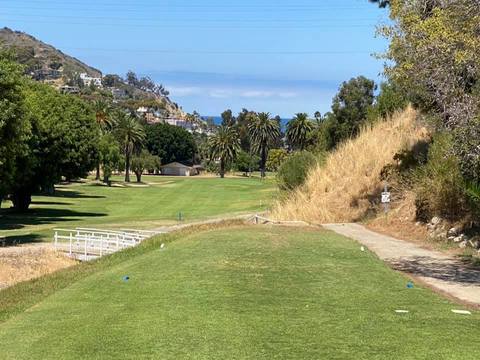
(86, 244)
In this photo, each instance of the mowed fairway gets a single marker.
(242, 293)
(146, 206)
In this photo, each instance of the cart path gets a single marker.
(442, 272)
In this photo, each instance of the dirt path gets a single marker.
(443, 273)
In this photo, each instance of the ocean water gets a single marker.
(218, 120)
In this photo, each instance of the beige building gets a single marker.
(177, 169)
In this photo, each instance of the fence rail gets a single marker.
(87, 244)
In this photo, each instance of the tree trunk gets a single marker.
(127, 167)
(264, 161)
(97, 176)
(222, 168)
(21, 200)
(138, 174)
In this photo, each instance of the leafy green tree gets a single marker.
(110, 157)
(433, 56)
(381, 3)
(276, 157)
(263, 130)
(144, 161)
(298, 131)
(63, 143)
(131, 135)
(224, 145)
(227, 118)
(246, 162)
(350, 108)
(294, 170)
(14, 127)
(170, 143)
(243, 119)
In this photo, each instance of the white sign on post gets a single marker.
(386, 198)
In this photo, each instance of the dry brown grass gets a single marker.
(343, 188)
(24, 263)
(401, 222)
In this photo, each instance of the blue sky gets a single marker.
(280, 56)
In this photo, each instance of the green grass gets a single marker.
(235, 293)
(157, 202)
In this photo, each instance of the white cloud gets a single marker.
(220, 93)
(184, 90)
(224, 93)
(288, 95)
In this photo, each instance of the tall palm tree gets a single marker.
(298, 129)
(263, 130)
(103, 114)
(130, 135)
(104, 121)
(224, 145)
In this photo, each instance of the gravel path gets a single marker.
(444, 273)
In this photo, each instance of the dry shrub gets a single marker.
(25, 263)
(343, 188)
(401, 221)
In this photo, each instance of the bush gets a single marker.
(275, 159)
(439, 185)
(294, 170)
(246, 163)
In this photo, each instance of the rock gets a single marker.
(435, 221)
(453, 232)
(474, 243)
(418, 223)
(463, 245)
(459, 238)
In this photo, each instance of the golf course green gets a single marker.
(240, 292)
(156, 202)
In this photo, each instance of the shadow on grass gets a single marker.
(50, 203)
(15, 240)
(429, 267)
(11, 220)
(75, 195)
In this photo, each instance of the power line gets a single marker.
(196, 26)
(225, 52)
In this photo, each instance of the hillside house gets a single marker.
(88, 80)
(46, 74)
(178, 169)
(70, 89)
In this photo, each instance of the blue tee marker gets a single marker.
(126, 278)
(410, 285)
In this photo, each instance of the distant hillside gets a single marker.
(45, 63)
(37, 55)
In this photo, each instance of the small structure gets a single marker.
(177, 169)
(89, 80)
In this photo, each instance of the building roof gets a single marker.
(176, 165)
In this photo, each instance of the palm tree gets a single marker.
(130, 135)
(103, 114)
(298, 129)
(224, 145)
(104, 121)
(263, 130)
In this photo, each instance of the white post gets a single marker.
(101, 245)
(85, 248)
(56, 239)
(71, 240)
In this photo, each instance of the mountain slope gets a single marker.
(37, 55)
